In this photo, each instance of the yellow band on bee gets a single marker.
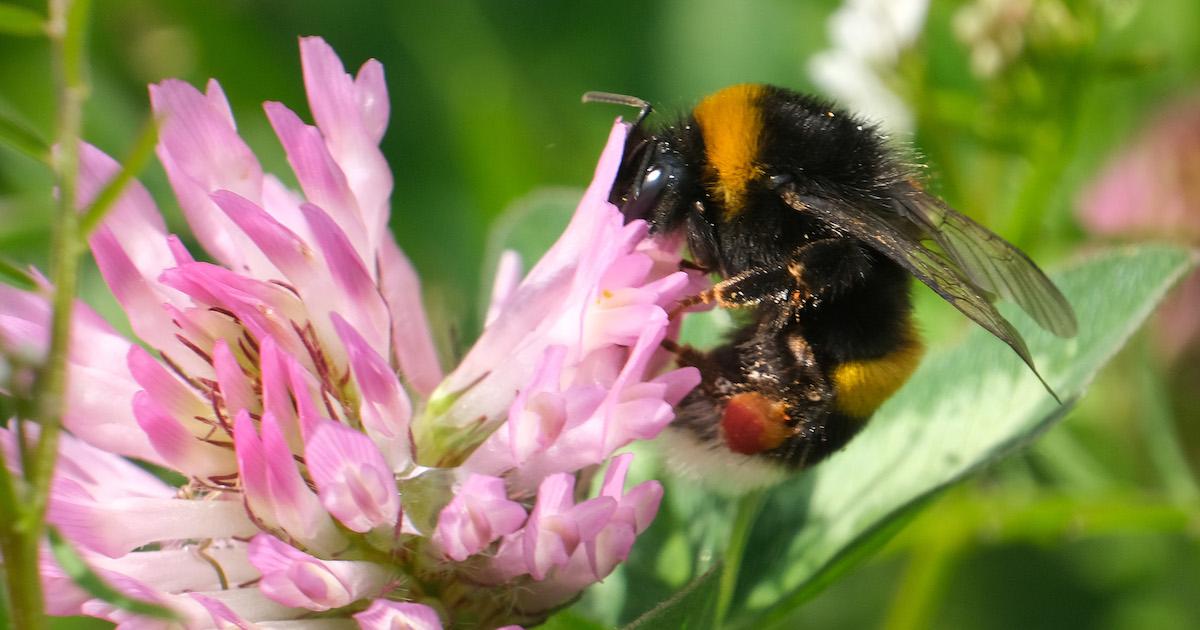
(731, 123)
(862, 386)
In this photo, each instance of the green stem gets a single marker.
(922, 584)
(139, 157)
(22, 535)
(747, 511)
(1049, 147)
(1161, 439)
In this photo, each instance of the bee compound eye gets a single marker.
(653, 182)
(646, 194)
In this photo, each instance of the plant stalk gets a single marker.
(747, 511)
(22, 536)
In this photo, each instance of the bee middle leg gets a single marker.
(818, 269)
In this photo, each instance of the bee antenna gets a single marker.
(644, 106)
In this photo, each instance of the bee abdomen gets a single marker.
(861, 386)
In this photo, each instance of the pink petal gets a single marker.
(644, 500)
(297, 510)
(294, 578)
(283, 204)
(353, 480)
(141, 298)
(350, 117)
(100, 388)
(478, 515)
(105, 475)
(384, 408)
(358, 297)
(555, 527)
(304, 392)
(623, 326)
(372, 99)
(62, 596)
(135, 590)
(249, 603)
(100, 411)
(133, 219)
(273, 489)
(508, 275)
(220, 614)
(412, 340)
(279, 244)
(609, 548)
(277, 399)
(252, 469)
(546, 308)
(202, 153)
(180, 253)
(116, 527)
(236, 388)
(180, 449)
(538, 414)
(174, 396)
(677, 383)
(263, 308)
(182, 569)
(384, 614)
(322, 180)
(614, 477)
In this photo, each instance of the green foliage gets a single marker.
(694, 607)
(17, 20)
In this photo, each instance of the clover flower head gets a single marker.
(330, 467)
(1149, 190)
(867, 38)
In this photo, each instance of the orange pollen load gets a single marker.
(753, 423)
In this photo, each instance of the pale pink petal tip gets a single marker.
(557, 526)
(384, 407)
(478, 515)
(353, 479)
(508, 275)
(294, 578)
(389, 615)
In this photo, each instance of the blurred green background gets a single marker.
(485, 110)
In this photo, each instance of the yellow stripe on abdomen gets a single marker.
(862, 386)
(731, 124)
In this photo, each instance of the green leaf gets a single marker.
(15, 20)
(139, 156)
(692, 608)
(964, 408)
(16, 275)
(83, 577)
(570, 620)
(18, 136)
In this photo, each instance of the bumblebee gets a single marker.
(815, 226)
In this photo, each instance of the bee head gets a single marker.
(653, 181)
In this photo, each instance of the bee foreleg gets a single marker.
(824, 268)
(751, 287)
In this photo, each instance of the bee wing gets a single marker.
(904, 246)
(991, 262)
